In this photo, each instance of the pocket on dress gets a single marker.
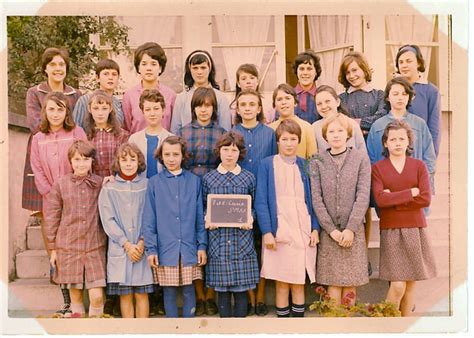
(283, 234)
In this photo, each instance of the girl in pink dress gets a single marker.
(287, 221)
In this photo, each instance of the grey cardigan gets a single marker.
(340, 197)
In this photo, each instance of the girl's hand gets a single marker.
(107, 179)
(415, 192)
(336, 235)
(141, 246)
(269, 241)
(202, 257)
(153, 261)
(314, 239)
(246, 227)
(53, 258)
(347, 238)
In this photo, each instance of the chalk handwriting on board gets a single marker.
(229, 210)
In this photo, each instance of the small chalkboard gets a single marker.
(229, 210)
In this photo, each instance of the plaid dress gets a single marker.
(232, 261)
(31, 198)
(200, 143)
(106, 143)
(73, 229)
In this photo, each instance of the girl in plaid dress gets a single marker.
(173, 227)
(74, 233)
(128, 274)
(232, 268)
(103, 130)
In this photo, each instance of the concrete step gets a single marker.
(34, 238)
(33, 295)
(32, 264)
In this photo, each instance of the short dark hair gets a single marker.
(128, 149)
(308, 56)
(361, 61)
(195, 58)
(397, 125)
(289, 126)
(260, 116)
(151, 95)
(61, 100)
(153, 50)
(84, 148)
(172, 140)
(416, 50)
(403, 82)
(101, 96)
(245, 68)
(50, 53)
(106, 64)
(227, 139)
(203, 95)
(284, 87)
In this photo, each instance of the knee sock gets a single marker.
(223, 301)
(240, 304)
(189, 301)
(96, 311)
(78, 308)
(283, 311)
(297, 310)
(169, 298)
(66, 296)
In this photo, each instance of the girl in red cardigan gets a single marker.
(401, 188)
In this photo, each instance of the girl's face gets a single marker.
(80, 164)
(285, 104)
(149, 68)
(408, 65)
(229, 155)
(204, 113)
(288, 144)
(306, 73)
(247, 81)
(128, 164)
(248, 108)
(55, 114)
(153, 113)
(398, 98)
(397, 142)
(336, 135)
(172, 156)
(56, 69)
(200, 74)
(100, 113)
(326, 103)
(356, 76)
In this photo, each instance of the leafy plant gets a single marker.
(29, 36)
(327, 307)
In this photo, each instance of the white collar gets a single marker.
(223, 171)
(367, 89)
(176, 172)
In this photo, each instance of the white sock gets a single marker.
(96, 311)
(77, 308)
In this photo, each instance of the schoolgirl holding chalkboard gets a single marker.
(232, 267)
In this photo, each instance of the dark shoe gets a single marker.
(250, 309)
(261, 309)
(369, 269)
(199, 308)
(116, 309)
(109, 306)
(64, 312)
(210, 307)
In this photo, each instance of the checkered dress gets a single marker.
(106, 144)
(232, 261)
(200, 143)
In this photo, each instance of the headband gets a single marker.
(408, 48)
(203, 54)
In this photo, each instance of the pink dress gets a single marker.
(293, 257)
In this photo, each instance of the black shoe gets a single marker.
(109, 306)
(210, 307)
(199, 308)
(261, 309)
(116, 309)
(250, 309)
(369, 269)
(65, 311)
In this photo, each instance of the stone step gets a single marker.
(32, 264)
(34, 238)
(33, 295)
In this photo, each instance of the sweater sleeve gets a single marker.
(367, 121)
(387, 199)
(423, 200)
(41, 180)
(148, 230)
(319, 207)
(434, 117)
(361, 203)
(311, 145)
(108, 218)
(262, 207)
(200, 227)
(52, 215)
(80, 111)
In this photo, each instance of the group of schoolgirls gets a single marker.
(307, 172)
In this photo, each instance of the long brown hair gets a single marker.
(100, 96)
(61, 100)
